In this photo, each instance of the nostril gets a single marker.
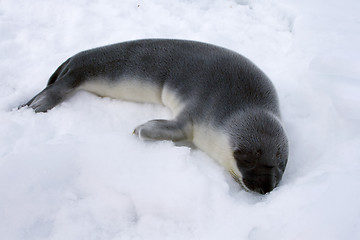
(261, 187)
(260, 190)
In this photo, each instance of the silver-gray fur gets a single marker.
(221, 101)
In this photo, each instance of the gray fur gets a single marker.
(215, 88)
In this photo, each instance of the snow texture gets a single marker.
(77, 172)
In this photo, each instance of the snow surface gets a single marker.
(77, 172)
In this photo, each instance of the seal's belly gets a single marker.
(136, 91)
(130, 90)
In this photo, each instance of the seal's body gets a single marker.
(221, 101)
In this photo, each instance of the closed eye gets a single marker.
(268, 167)
(245, 160)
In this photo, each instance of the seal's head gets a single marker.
(260, 150)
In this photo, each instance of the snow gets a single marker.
(77, 172)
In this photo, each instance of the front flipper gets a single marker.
(164, 130)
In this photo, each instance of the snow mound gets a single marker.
(77, 172)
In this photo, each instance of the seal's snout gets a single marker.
(265, 188)
(262, 185)
(260, 171)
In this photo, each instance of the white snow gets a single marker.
(77, 172)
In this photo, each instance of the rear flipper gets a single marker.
(45, 100)
(60, 84)
(164, 130)
(52, 95)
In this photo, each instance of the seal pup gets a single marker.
(222, 102)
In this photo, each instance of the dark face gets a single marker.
(260, 148)
(261, 171)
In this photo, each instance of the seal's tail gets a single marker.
(59, 86)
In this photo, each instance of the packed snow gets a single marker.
(77, 172)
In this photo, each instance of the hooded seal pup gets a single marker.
(222, 102)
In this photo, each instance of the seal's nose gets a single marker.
(261, 184)
(265, 189)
